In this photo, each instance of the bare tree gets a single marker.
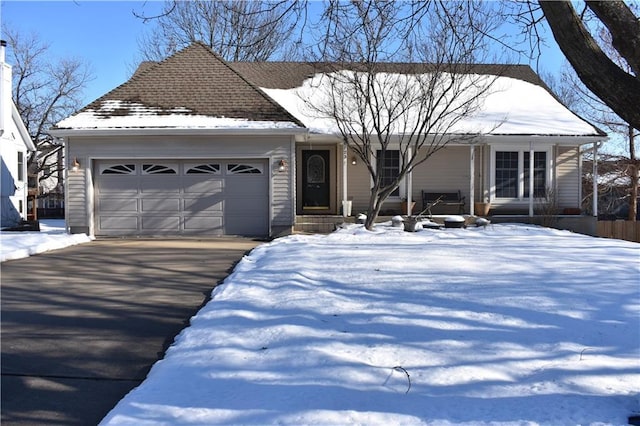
(617, 88)
(236, 30)
(412, 109)
(624, 165)
(45, 91)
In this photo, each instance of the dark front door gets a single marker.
(315, 179)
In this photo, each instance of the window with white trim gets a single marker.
(20, 166)
(511, 174)
(389, 165)
(119, 169)
(207, 168)
(243, 169)
(539, 174)
(159, 169)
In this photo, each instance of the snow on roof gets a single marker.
(131, 115)
(512, 107)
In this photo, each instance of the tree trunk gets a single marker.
(624, 28)
(372, 212)
(616, 88)
(633, 175)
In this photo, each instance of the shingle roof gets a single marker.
(198, 80)
(287, 75)
(195, 88)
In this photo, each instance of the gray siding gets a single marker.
(568, 177)
(76, 205)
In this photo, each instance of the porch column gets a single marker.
(595, 179)
(409, 188)
(472, 181)
(345, 162)
(531, 179)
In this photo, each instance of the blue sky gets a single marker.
(106, 34)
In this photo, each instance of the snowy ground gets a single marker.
(52, 236)
(508, 325)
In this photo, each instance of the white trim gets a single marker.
(402, 185)
(345, 184)
(472, 178)
(520, 199)
(172, 131)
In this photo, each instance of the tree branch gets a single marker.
(618, 89)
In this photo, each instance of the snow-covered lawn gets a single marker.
(508, 325)
(52, 236)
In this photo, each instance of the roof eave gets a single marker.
(172, 131)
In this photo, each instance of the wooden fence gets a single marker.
(620, 229)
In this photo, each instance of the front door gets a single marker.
(315, 179)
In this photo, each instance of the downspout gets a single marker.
(472, 173)
(65, 144)
(409, 186)
(531, 186)
(345, 186)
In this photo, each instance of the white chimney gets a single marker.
(5, 88)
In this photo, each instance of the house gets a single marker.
(15, 148)
(194, 145)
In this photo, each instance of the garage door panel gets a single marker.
(212, 204)
(160, 205)
(158, 184)
(119, 223)
(244, 207)
(207, 224)
(245, 225)
(118, 205)
(238, 187)
(121, 185)
(200, 186)
(161, 224)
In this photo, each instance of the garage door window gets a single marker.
(158, 169)
(210, 169)
(120, 169)
(237, 169)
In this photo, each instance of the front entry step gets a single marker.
(319, 224)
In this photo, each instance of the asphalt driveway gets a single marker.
(82, 326)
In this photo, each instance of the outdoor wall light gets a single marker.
(354, 161)
(282, 165)
(75, 166)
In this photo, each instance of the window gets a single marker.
(158, 169)
(208, 168)
(539, 174)
(512, 174)
(506, 174)
(20, 166)
(243, 169)
(389, 165)
(120, 169)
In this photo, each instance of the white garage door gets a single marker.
(159, 197)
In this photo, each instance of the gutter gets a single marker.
(159, 131)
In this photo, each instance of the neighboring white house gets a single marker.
(15, 148)
(194, 145)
